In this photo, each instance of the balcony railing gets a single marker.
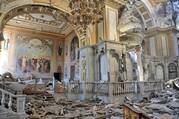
(153, 86)
(12, 100)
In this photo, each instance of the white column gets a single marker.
(108, 66)
(140, 69)
(139, 62)
(110, 85)
(21, 104)
(10, 102)
(53, 84)
(2, 99)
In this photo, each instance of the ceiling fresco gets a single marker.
(39, 18)
(48, 15)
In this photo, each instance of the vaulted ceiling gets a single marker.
(40, 18)
(34, 16)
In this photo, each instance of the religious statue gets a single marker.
(60, 50)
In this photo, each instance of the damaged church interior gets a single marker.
(89, 59)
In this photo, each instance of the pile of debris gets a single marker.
(7, 76)
(63, 109)
(158, 105)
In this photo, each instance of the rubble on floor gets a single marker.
(158, 105)
(43, 105)
(37, 108)
(8, 77)
(31, 89)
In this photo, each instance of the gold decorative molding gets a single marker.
(156, 2)
(40, 33)
(59, 4)
(156, 30)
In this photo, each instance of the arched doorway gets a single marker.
(116, 74)
(114, 69)
(172, 71)
(159, 72)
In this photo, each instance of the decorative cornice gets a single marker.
(114, 4)
(155, 30)
(35, 32)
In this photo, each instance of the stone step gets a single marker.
(5, 114)
(8, 116)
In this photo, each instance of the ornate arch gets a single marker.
(8, 5)
(148, 14)
(18, 5)
(118, 59)
(31, 9)
(138, 15)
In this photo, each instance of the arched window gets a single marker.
(172, 71)
(159, 72)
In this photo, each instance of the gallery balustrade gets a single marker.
(116, 88)
(11, 100)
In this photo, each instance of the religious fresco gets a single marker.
(33, 55)
(40, 65)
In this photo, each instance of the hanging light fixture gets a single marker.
(85, 12)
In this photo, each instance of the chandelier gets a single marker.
(85, 12)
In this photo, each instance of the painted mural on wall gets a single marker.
(33, 55)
